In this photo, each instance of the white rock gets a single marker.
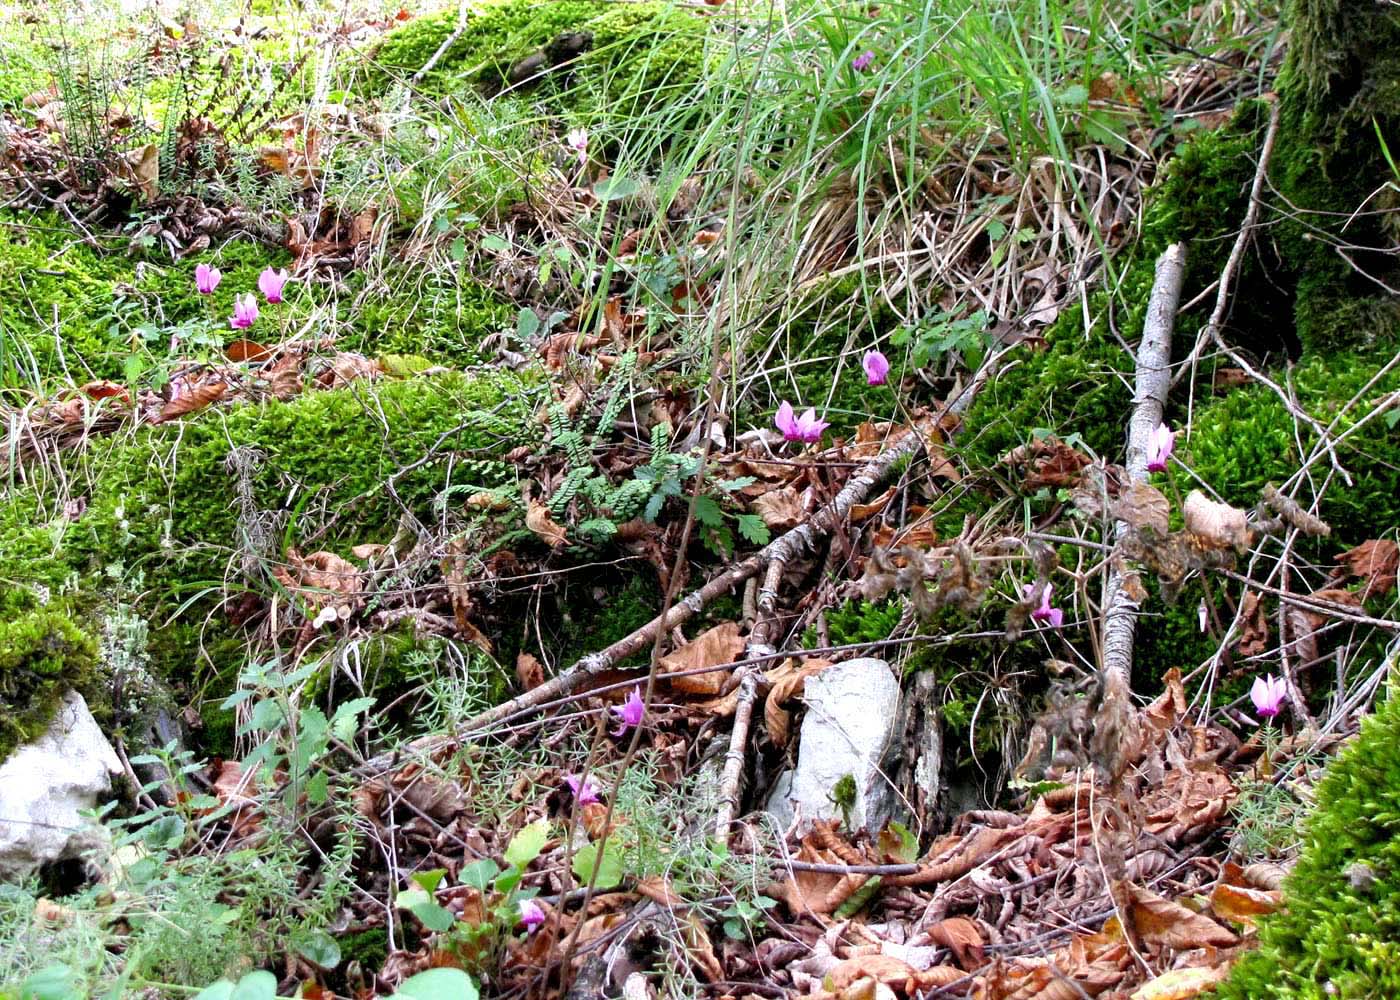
(44, 785)
(852, 716)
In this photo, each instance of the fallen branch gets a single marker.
(788, 547)
(1153, 381)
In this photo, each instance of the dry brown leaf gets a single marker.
(1218, 525)
(528, 670)
(1254, 634)
(1169, 707)
(721, 644)
(104, 389)
(699, 948)
(142, 167)
(1243, 904)
(889, 971)
(322, 579)
(1182, 984)
(780, 509)
(347, 367)
(1375, 561)
(488, 500)
(539, 520)
(1052, 463)
(247, 352)
(190, 400)
(865, 511)
(788, 681)
(1166, 923)
(1142, 505)
(963, 938)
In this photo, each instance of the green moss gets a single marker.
(166, 505)
(805, 337)
(442, 314)
(605, 54)
(1245, 439)
(70, 307)
(1336, 936)
(1076, 385)
(1339, 91)
(43, 655)
(592, 617)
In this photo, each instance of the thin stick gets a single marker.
(1153, 381)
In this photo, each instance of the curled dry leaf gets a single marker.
(528, 670)
(1217, 525)
(247, 352)
(1182, 984)
(1375, 561)
(542, 523)
(788, 681)
(105, 389)
(190, 400)
(721, 644)
(1243, 904)
(1166, 923)
(963, 938)
(1143, 506)
(780, 509)
(1254, 635)
(322, 579)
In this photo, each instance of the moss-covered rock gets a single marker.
(1336, 936)
(43, 654)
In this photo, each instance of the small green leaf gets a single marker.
(343, 722)
(751, 526)
(527, 323)
(318, 948)
(438, 984)
(616, 188)
(479, 874)
(609, 868)
(53, 982)
(431, 879)
(527, 844)
(492, 243)
(422, 905)
(259, 985)
(707, 512)
(220, 990)
(459, 249)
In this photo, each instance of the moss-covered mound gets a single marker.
(71, 310)
(605, 53)
(42, 655)
(180, 511)
(1337, 936)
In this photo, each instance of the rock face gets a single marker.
(44, 785)
(853, 714)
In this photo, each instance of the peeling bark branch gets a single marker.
(1153, 381)
(792, 545)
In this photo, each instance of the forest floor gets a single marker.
(451, 451)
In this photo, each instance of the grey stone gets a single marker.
(45, 784)
(853, 716)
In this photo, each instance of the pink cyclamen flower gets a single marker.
(807, 427)
(1044, 613)
(271, 282)
(245, 311)
(577, 140)
(206, 279)
(531, 915)
(1268, 694)
(584, 791)
(630, 712)
(862, 62)
(1159, 448)
(877, 367)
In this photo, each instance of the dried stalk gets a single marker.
(788, 547)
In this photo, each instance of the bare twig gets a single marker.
(1153, 381)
